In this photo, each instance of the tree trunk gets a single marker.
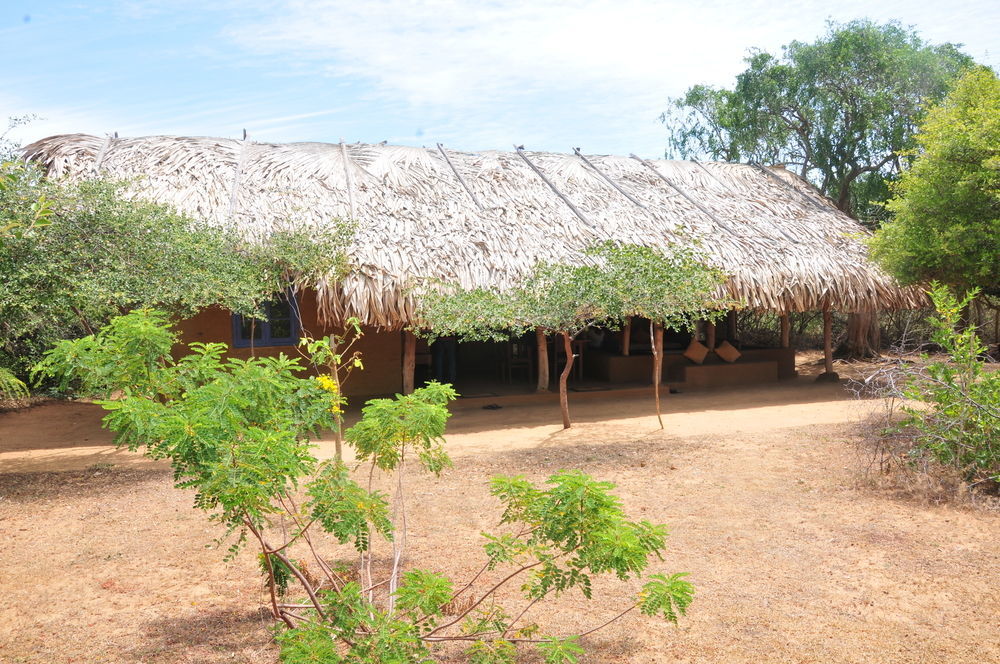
(863, 336)
(710, 335)
(409, 360)
(627, 337)
(656, 334)
(543, 360)
(564, 377)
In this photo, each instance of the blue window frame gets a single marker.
(279, 327)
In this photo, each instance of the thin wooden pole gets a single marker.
(458, 175)
(828, 340)
(519, 149)
(347, 176)
(608, 179)
(731, 326)
(774, 176)
(409, 361)
(627, 337)
(542, 341)
(710, 335)
(683, 193)
(786, 331)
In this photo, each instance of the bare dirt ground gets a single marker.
(794, 557)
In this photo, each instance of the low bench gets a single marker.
(738, 373)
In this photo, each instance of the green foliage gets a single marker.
(560, 651)
(668, 596)
(674, 288)
(104, 253)
(840, 109)
(390, 427)
(958, 423)
(423, 593)
(345, 509)
(495, 651)
(371, 634)
(237, 432)
(613, 282)
(577, 529)
(947, 207)
(122, 356)
(23, 208)
(275, 568)
(309, 643)
(11, 387)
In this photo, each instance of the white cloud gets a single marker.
(547, 73)
(483, 74)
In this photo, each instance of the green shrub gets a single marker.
(237, 432)
(957, 420)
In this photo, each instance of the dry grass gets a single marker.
(794, 558)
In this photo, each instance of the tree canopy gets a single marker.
(840, 110)
(946, 223)
(672, 288)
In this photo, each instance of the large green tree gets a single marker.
(946, 222)
(840, 110)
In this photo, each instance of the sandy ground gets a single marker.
(794, 558)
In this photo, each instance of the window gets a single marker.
(279, 327)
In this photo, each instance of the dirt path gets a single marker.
(793, 560)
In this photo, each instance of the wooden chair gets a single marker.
(519, 357)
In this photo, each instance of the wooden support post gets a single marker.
(731, 326)
(627, 336)
(541, 339)
(409, 360)
(786, 331)
(828, 340)
(710, 335)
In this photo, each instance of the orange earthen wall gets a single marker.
(381, 351)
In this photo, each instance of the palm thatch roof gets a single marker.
(484, 219)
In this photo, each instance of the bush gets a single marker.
(237, 432)
(959, 420)
(950, 408)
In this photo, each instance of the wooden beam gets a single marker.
(458, 175)
(347, 175)
(519, 149)
(542, 341)
(608, 179)
(708, 213)
(710, 335)
(731, 326)
(786, 331)
(409, 360)
(828, 340)
(780, 180)
(627, 337)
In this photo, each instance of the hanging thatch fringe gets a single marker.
(484, 219)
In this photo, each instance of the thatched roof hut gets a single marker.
(484, 219)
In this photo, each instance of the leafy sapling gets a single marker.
(238, 433)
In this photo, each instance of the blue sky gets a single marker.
(473, 75)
